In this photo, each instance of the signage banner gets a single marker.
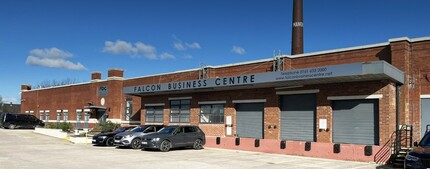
(270, 77)
(103, 91)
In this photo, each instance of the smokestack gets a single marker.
(297, 38)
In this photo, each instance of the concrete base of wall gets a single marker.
(350, 152)
(58, 133)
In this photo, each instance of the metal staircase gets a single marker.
(402, 145)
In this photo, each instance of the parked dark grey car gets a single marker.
(12, 121)
(174, 137)
(132, 138)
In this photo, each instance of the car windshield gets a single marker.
(138, 129)
(167, 130)
(121, 129)
(425, 142)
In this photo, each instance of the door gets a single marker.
(425, 115)
(249, 119)
(102, 115)
(356, 122)
(298, 117)
(179, 138)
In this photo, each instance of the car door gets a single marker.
(178, 138)
(190, 135)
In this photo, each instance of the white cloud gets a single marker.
(147, 50)
(127, 48)
(54, 58)
(194, 45)
(238, 50)
(179, 46)
(182, 46)
(167, 56)
(119, 47)
(51, 53)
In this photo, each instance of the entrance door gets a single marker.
(356, 121)
(249, 119)
(298, 117)
(425, 115)
(101, 115)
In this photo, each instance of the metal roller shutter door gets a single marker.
(425, 115)
(298, 117)
(249, 119)
(356, 122)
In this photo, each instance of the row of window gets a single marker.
(180, 112)
(45, 115)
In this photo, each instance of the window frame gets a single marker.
(211, 110)
(154, 114)
(183, 108)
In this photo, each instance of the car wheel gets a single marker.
(11, 126)
(136, 143)
(109, 141)
(198, 144)
(165, 146)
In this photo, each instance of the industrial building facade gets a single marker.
(351, 96)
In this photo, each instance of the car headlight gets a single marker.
(102, 137)
(128, 136)
(411, 158)
(155, 139)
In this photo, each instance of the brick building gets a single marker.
(352, 97)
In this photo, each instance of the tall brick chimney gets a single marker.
(297, 37)
(115, 73)
(25, 87)
(96, 76)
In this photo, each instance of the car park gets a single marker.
(107, 139)
(132, 138)
(175, 137)
(419, 157)
(12, 121)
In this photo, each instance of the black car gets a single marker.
(107, 138)
(175, 137)
(12, 121)
(419, 157)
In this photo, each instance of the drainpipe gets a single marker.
(398, 132)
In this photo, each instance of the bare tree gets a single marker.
(52, 83)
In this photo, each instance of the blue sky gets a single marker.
(56, 40)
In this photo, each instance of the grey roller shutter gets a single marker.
(425, 115)
(298, 117)
(356, 122)
(249, 119)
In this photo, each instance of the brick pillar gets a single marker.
(400, 58)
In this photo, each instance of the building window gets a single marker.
(65, 115)
(154, 114)
(58, 116)
(41, 115)
(180, 111)
(32, 112)
(46, 116)
(128, 109)
(212, 113)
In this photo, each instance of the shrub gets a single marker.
(66, 127)
(106, 127)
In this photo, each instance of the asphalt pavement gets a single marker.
(22, 149)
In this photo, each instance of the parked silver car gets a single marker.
(132, 138)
